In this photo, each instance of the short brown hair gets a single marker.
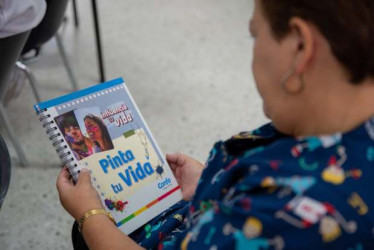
(348, 25)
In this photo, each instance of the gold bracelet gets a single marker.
(91, 212)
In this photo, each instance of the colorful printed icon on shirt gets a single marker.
(252, 227)
(249, 236)
(149, 229)
(218, 175)
(246, 204)
(313, 143)
(370, 154)
(297, 184)
(307, 212)
(204, 219)
(178, 217)
(212, 154)
(308, 166)
(369, 126)
(205, 206)
(329, 229)
(335, 174)
(358, 203)
(246, 135)
(275, 164)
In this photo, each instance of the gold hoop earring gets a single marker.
(292, 88)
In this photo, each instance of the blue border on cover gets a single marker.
(76, 95)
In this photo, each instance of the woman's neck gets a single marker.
(342, 108)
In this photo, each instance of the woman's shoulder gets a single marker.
(267, 142)
(268, 157)
(242, 142)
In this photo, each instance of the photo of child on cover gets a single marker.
(85, 132)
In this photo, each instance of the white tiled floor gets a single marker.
(187, 64)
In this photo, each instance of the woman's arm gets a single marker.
(98, 231)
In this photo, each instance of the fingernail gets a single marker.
(84, 170)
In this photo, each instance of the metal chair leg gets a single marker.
(66, 62)
(13, 137)
(76, 17)
(30, 76)
(100, 58)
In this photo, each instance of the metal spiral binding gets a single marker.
(58, 142)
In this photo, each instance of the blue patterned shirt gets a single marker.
(265, 190)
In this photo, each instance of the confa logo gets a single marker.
(164, 184)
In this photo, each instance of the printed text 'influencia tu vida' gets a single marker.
(122, 117)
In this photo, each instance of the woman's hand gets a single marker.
(77, 199)
(187, 171)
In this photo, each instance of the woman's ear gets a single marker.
(305, 46)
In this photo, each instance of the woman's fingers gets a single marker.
(181, 159)
(63, 178)
(177, 159)
(84, 178)
(171, 158)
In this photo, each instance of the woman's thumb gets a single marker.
(84, 177)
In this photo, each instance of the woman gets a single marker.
(303, 181)
(98, 133)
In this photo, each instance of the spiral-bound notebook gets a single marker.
(100, 128)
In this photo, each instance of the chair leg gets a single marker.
(30, 76)
(100, 58)
(66, 62)
(76, 17)
(13, 137)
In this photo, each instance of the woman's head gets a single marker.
(304, 48)
(97, 131)
(348, 26)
